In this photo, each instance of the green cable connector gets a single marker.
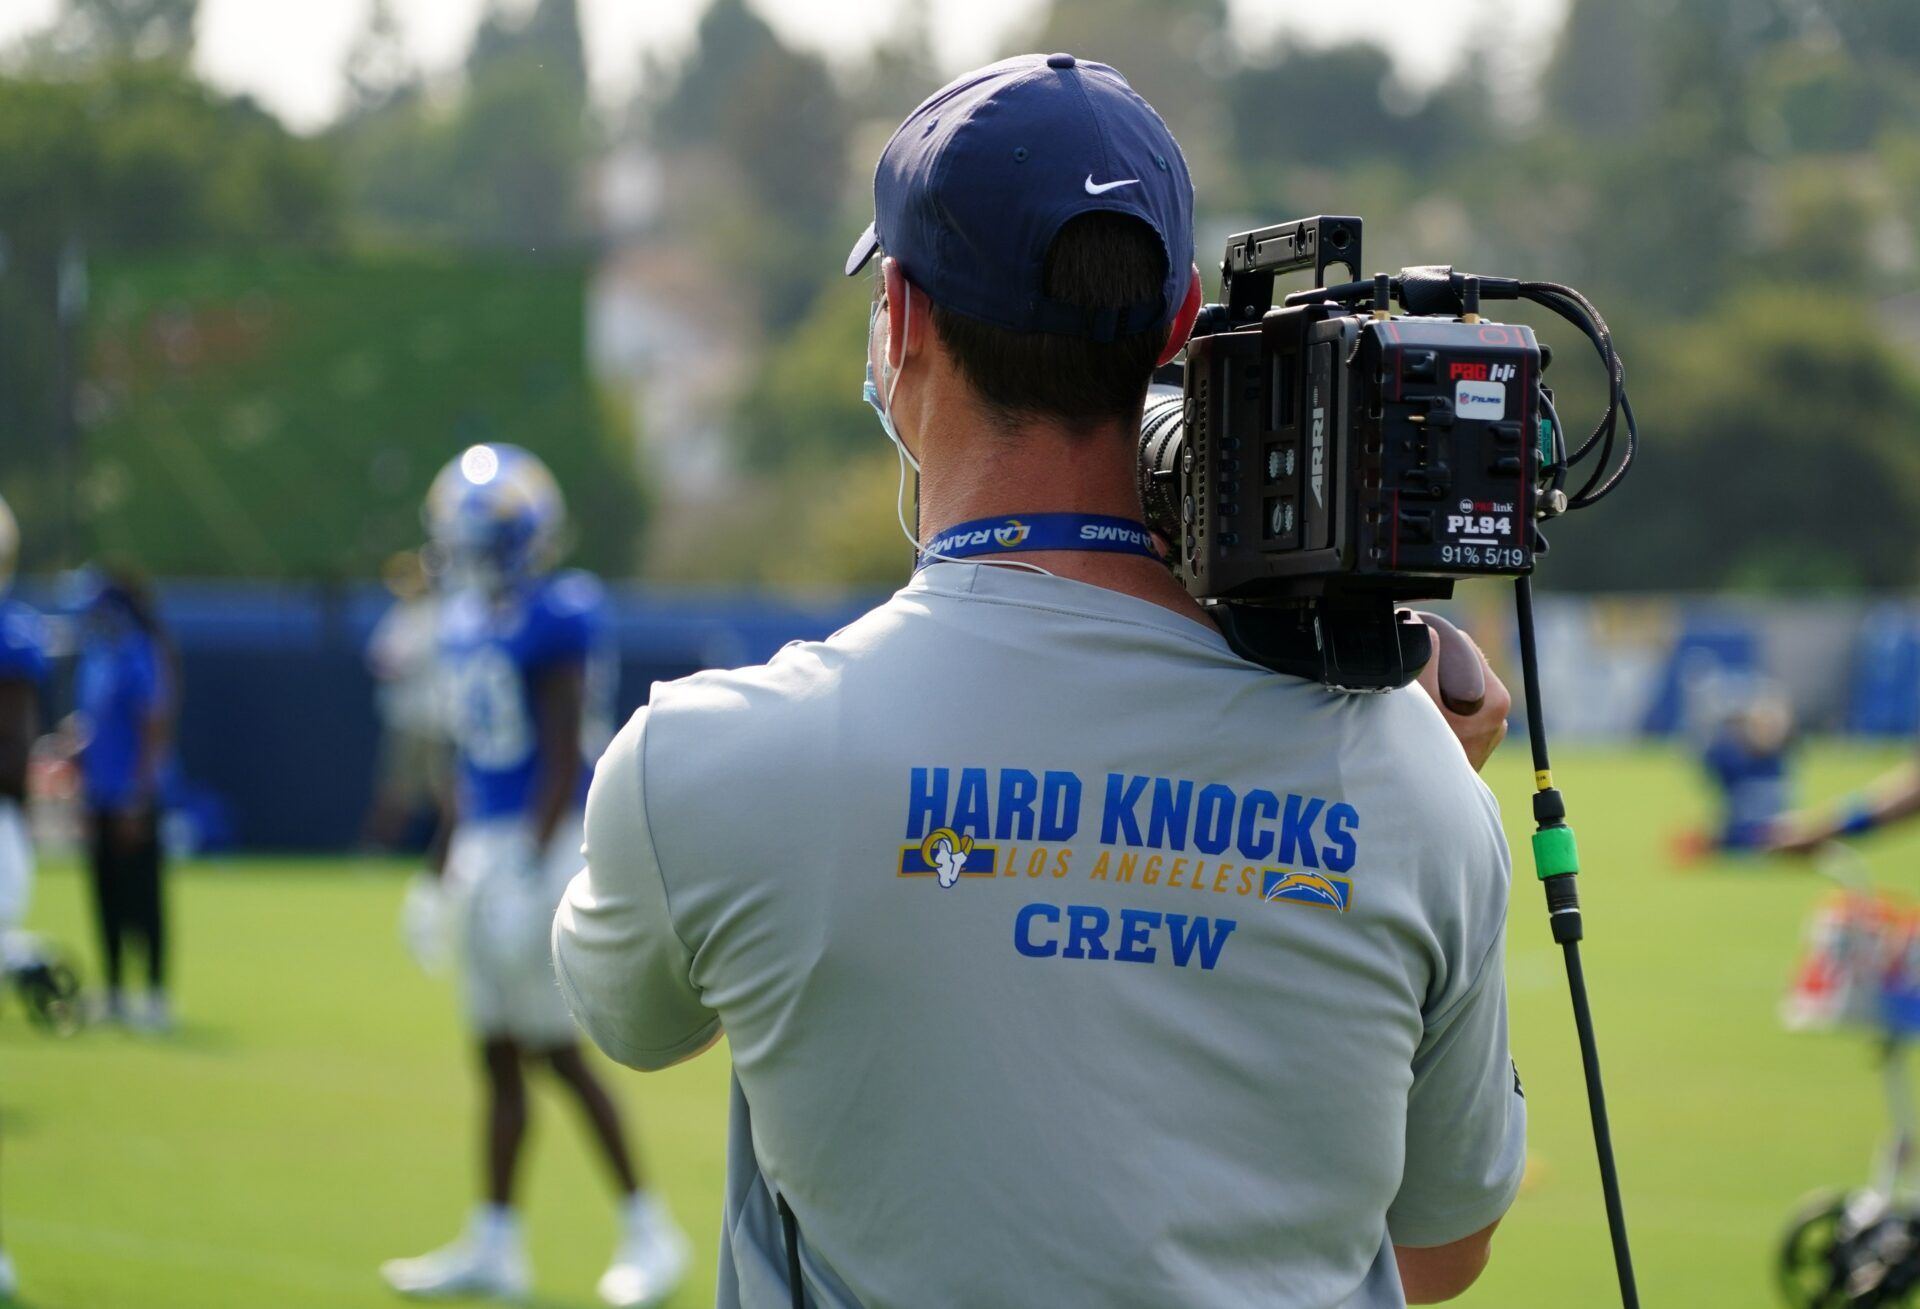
(1554, 852)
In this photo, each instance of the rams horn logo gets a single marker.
(947, 851)
(1006, 537)
(1323, 890)
(949, 856)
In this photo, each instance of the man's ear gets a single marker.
(907, 318)
(1183, 321)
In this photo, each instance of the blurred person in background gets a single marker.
(527, 690)
(1747, 756)
(403, 659)
(1890, 800)
(23, 667)
(125, 690)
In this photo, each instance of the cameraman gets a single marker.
(1066, 957)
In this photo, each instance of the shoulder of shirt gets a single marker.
(20, 622)
(569, 591)
(1412, 729)
(735, 721)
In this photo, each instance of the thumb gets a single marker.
(1461, 669)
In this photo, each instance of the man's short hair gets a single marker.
(1098, 260)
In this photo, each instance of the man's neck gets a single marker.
(973, 468)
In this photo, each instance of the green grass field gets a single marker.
(315, 1113)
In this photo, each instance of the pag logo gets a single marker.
(1323, 890)
(947, 855)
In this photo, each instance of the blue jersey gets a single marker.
(23, 643)
(117, 684)
(495, 651)
(1753, 787)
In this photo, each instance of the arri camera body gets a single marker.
(1327, 458)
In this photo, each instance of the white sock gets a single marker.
(638, 1212)
(496, 1226)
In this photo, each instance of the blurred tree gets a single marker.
(549, 35)
(280, 414)
(1876, 30)
(1173, 52)
(122, 157)
(759, 133)
(848, 525)
(379, 69)
(1282, 112)
(901, 72)
(501, 163)
(802, 409)
(516, 154)
(1599, 79)
(90, 32)
(774, 113)
(1780, 442)
(730, 42)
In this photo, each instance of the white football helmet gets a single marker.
(495, 516)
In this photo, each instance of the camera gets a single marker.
(1327, 459)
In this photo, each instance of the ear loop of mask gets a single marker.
(871, 394)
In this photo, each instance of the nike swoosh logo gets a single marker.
(1101, 188)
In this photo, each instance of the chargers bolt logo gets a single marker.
(1323, 890)
(1009, 536)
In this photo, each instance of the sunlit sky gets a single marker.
(288, 53)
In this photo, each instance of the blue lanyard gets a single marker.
(1023, 532)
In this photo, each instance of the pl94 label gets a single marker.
(1479, 525)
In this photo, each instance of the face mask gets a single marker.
(870, 392)
(883, 406)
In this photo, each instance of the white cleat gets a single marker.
(465, 1268)
(155, 1017)
(9, 1284)
(649, 1264)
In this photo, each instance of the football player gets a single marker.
(523, 677)
(23, 666)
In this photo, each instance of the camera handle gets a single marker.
(1556, 862)
(1351, 643)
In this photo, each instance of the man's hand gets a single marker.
(425, 924)
(1472, 699)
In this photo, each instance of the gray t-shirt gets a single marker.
(1066, 958)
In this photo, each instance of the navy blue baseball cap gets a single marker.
(974, 186)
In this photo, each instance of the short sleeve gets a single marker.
(23, 644)
(622, 966)
(1466, 1142)
(566, 621)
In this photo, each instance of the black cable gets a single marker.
(1556, 863)
(1581, 312)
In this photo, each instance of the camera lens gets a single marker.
(1162, 459)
